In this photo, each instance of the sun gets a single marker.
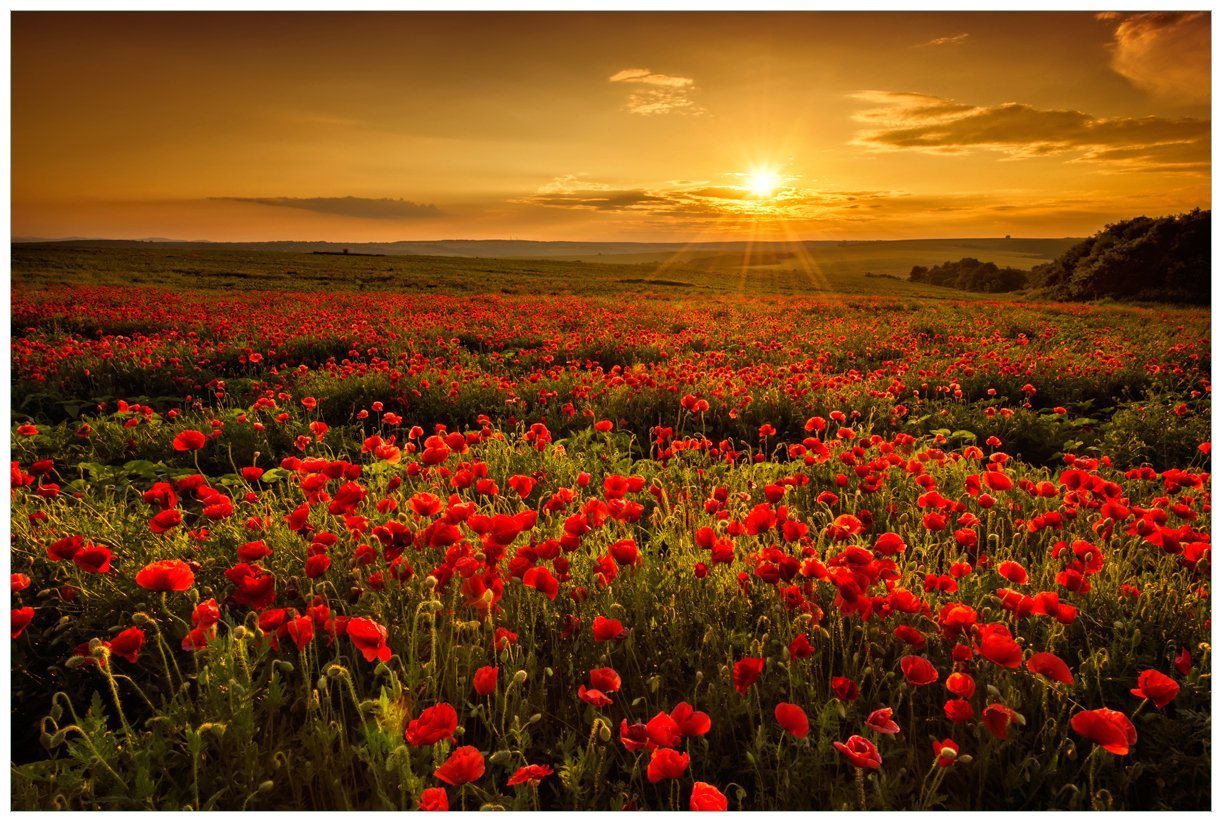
(763, 182)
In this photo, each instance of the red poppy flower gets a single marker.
(531, 774)
(127, 644)
(1109, 729)
(1050, 666)
(707, 798)
(690, 721)
(1183, 662)
(465, 764)
(667, 763)
(369, 638)
(664, 731)
(64, 548)
(746, 671)
(961, 684)
(166, 575)
(207, 613)
(606, 629)
(593, 696)
(860, 752)
(502, 638)
(94, 559)
(801, 648)
(521, 485)
(484, 680)
(1012, 571)
(958, 710)
(1156, 687)
(165, 520)
(605, 680)
(955, 619)
(189, 441)
(946, 751)
(995, 644)
(253, 551)
(300, 630)
(21, 618)
(882, 722)
(793, 719)
(997, 718)
(844, 688)
(889, 543)
(918, 670)
(18, 582)
(633, 737)
(317, 565)
(198, 637)
(433, 725)
(542, 581)
(433, 799)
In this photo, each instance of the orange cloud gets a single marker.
(1164, 53)
(949, 40)
(362, 207)
(662, 93)
(910, 121)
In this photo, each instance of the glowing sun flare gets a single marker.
(763, 182)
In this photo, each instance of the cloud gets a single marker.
(362, 207)
(909, 121)
(1164, 53)
(657, 93)
(697, 206)
(949, 40)
(695, 200)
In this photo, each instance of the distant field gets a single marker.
(855, 258)
(791, 269)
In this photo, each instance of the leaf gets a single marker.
(144, 469)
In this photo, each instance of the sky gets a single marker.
(375, 127)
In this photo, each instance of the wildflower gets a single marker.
(860, 752)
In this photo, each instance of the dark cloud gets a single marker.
(363, 207)
(598, 199)
(904, 120)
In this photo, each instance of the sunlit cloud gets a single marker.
(949, 40)
(732, 202)
(657, 93)
(1164, 53)
(362, 207)
(907, 121)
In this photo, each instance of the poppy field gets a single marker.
(397, 549)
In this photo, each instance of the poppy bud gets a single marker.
(239, 633)
(519, 677)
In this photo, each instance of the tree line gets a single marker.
(1161, 259)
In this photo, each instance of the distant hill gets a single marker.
(827, 256)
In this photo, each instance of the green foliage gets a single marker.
(1164, 259)
(970, 274)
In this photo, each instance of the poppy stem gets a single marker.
(861, 789)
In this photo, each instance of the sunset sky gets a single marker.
(597, 126)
